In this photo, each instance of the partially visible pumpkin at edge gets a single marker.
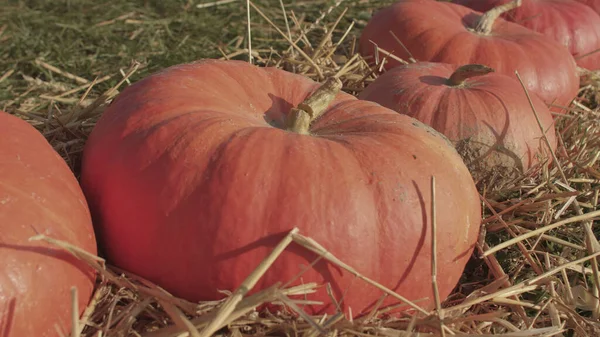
(193, 177)
(573, 24)
(39, 195)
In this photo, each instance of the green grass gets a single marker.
(160, 33)
(64, 34)
(156, 33)
(95, 39)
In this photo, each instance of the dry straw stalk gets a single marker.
(534, 272)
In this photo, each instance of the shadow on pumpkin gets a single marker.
(485, 154)
(56, 253)
(327, 270)
(322, 267)
(433, 80)
(276, 115)
(468, 251)
(500, 145)
(411, 263)
(470, 20)
(7, 316)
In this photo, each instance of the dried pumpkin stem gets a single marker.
(313, 106)
(465, 72)
(486, 21)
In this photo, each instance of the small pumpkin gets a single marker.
(39, 195)
(435, 31)
(486, 115)
(573, 24)
(195, 173)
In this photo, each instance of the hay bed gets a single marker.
(534, 271)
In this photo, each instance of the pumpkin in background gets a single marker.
(435, 31)
(193, 178)
(573, 24)
(485, 114)
(39, 195)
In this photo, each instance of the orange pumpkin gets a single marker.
(568, 22)
(194, 177)
(436, 31)
(39, 195)
(485, 114)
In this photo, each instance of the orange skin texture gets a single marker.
(440, 32)
(593, 4)
(492, 108)
(39, 195)
(573, 24)
(193, 186)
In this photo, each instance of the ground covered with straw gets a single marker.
(534, 271)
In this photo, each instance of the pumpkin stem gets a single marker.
(459, 76)
(313, 106)
(486, 21)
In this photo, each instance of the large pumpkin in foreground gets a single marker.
(485, 114)
(39, 195)
(436, 31)
(572, 24)
(193, 179)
